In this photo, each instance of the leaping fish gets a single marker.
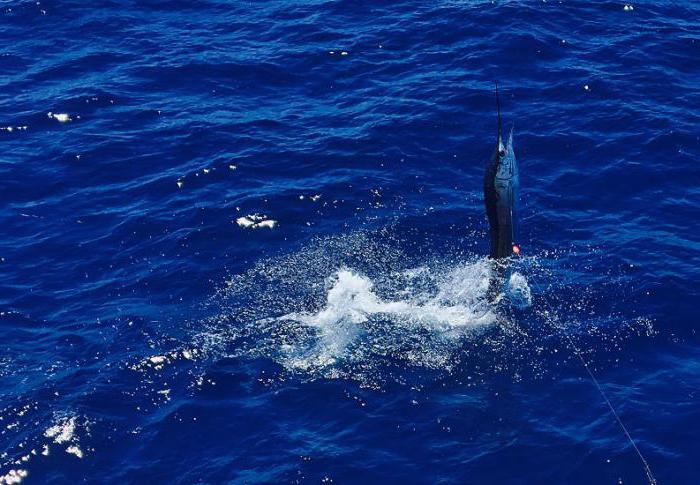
(501, 191)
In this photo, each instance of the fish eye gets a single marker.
(502, 153)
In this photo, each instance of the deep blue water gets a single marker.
(151, 332)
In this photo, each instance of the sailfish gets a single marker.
(501, 191)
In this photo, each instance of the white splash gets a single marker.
(357, 307)
(351, 302)
(518, 291)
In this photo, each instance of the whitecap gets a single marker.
(60, 117)
(255, 221)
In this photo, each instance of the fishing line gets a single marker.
(589, 371)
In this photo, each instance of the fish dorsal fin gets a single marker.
(509, 145)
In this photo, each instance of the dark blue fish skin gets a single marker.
(501, 193)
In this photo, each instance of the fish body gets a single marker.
(501, 193)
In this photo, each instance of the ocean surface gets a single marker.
(244, 242)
